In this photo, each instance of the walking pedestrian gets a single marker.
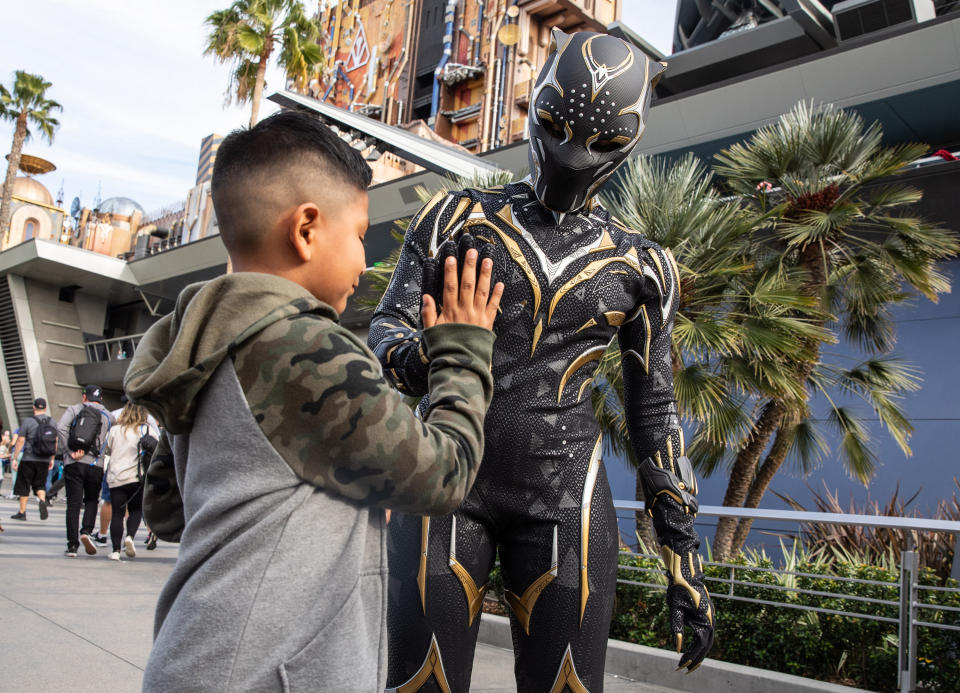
(33, 457)
(124, 474)
(83, 431)
(5, 451)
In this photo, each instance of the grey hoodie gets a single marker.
(286, 443)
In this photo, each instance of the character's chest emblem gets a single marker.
(553, 270)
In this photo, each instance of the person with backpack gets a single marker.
(130, 445)
(83, 432)
(38, 443)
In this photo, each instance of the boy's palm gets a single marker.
(469, 300)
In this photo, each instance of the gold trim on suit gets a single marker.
(471, 592)
(586, 503)
(523, 606)
(422, 571)
(432, 666)
(567, 676)
(592, 354)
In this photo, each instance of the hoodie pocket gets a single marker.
(346, 654)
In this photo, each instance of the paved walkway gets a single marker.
(85, 624)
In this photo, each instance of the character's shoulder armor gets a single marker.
(660, 270)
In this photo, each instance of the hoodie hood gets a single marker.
(179, 353)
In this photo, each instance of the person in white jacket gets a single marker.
(124, 475)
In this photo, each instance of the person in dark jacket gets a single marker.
(83, 471)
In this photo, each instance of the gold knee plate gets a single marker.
(567, 676)
(432, 666)
(471, 592)
(523, 606)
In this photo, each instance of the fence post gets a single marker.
(909, 564)
(955, 572)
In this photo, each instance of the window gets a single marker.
(30, 229)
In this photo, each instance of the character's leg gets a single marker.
(561, 582)
(438, 576)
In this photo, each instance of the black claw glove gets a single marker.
(433, 267)
(689, 605)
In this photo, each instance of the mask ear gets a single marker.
(656, 70)
(558, 40)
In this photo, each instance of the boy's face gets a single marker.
(339, 259)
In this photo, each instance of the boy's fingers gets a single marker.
(493, 305)
(468, 281)
(428, 313)
(446, 251)
(450, 281)
(483, 285)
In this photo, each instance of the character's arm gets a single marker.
(395, 335)
(341, 426)
(670, 487)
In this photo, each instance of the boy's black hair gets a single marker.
(263, 154)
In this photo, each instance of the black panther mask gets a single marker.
(588, 111)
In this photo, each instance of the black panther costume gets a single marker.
(575, 279)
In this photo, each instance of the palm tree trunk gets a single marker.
(772, 463)
(258, 84)
(742, 474)
(19, 135)
(644, 524)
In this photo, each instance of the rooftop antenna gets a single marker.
(98, 199)
(60, 194)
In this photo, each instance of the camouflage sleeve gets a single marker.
(652, 420)
(394, 330)
(321, 399)
(162, 503)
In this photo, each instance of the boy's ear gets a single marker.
(302, 229)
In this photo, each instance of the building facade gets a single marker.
(69, 314)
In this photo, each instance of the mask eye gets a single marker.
(554, 129)
(605, 146)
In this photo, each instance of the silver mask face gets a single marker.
(588, 111)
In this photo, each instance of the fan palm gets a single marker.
(816, 178)
(249, 32)
(26, 104)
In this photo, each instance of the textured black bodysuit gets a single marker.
(541, 497)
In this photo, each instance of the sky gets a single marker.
(138, 94)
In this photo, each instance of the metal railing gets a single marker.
(116, 349)
(903, 598)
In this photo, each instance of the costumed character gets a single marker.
(575, 280)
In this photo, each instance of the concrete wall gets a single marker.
(57, 334)
(91, 312)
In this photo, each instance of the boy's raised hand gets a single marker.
(468, 300)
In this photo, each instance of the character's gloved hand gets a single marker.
(433, 267)
(689, 605)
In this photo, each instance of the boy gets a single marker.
(287, 442)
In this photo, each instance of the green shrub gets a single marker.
(841, 649)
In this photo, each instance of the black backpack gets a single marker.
(146, 446)
(44, 442)
(85, 430)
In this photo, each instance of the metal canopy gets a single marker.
(387, 138)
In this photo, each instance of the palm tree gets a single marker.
(815, 177)
(27, 104)
(249, 32)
